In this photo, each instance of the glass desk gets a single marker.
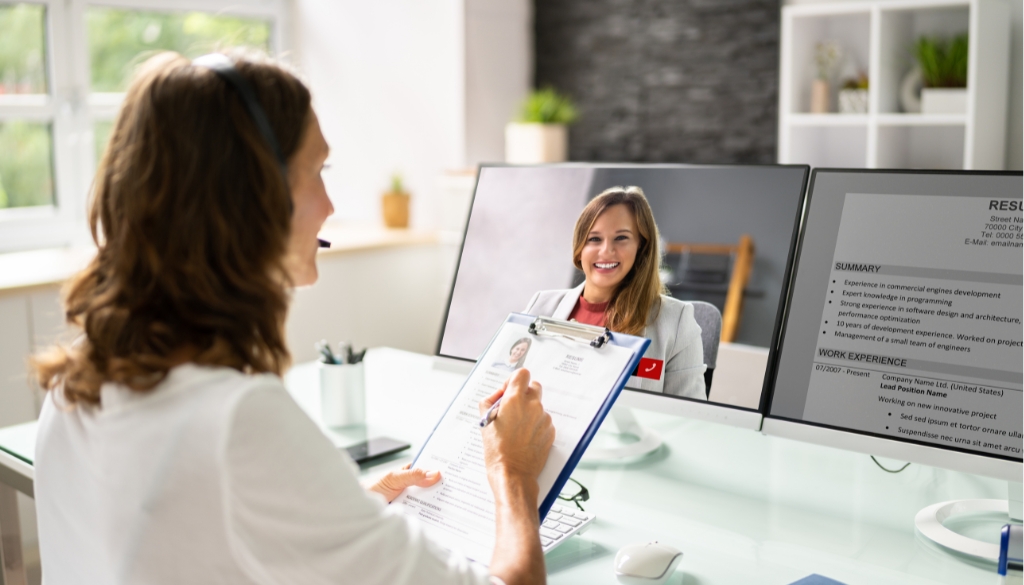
(743, 507)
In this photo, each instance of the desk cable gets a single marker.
(883, 468)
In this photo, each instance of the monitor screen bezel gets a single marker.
(773, 359)
(787, 275)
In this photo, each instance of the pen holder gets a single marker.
(342, 395)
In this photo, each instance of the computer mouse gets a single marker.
(646, 564)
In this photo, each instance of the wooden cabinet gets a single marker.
(30, 319)
(17, 404)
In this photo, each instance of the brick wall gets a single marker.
(662, 80)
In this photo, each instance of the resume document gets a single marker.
(576, 380)
(920, 337)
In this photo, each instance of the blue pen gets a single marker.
(491, 414)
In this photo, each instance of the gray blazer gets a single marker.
(674, 334)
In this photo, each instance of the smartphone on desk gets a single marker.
(375, 449)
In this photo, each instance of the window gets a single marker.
(26, 141)
(119, 39)
(64, 65)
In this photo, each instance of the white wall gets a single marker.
(388, 297)
(387, 83)
(1014, 157)
(499, 72)
(416, 86)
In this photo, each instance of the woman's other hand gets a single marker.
(517, 442)
(394, 483)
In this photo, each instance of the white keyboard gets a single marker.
(561, 523)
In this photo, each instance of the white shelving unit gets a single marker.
(878, 37)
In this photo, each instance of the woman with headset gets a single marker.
(615, 244)
(168, 448)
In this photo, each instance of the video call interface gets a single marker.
(905, 319)
(714, 222)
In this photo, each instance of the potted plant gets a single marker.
(944, 70)
(853, 97)
(826, 62)
(396, 204)
(540, 134)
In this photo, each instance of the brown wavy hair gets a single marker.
(637, 299)
(191, 217)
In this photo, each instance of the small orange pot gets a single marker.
(396, 210)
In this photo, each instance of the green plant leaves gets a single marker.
(547, 106)
(397, 184)
(943, 64)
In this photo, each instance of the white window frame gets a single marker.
(72, 111)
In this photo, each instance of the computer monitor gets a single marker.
(902, 332)
(728, 234)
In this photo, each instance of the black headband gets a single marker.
(225, 69)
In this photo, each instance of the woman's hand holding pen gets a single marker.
(516, 446)
(518, 440)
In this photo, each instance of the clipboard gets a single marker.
(577, 333)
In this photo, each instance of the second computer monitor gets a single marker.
(903, 334)
(727, 235)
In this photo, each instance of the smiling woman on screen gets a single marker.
(615, 244)
(169, 450)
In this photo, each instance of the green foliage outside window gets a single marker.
(26, 164)
(22, 57)
(26, 150)
(121, 39)
(118, 40)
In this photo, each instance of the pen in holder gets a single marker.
(342, 386)
(342, 394)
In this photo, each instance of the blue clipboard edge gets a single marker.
(639, 346)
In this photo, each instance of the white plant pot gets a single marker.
(536, 143)
(343, 394)
(853, 101)
(943, 100)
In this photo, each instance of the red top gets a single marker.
(589, 313)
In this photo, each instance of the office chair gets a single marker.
(710, 270)
(710, 321)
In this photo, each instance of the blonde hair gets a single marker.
(637, 299)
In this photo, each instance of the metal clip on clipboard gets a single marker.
(647, 440)
(594, 336)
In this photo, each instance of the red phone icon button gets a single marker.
(649, 368)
